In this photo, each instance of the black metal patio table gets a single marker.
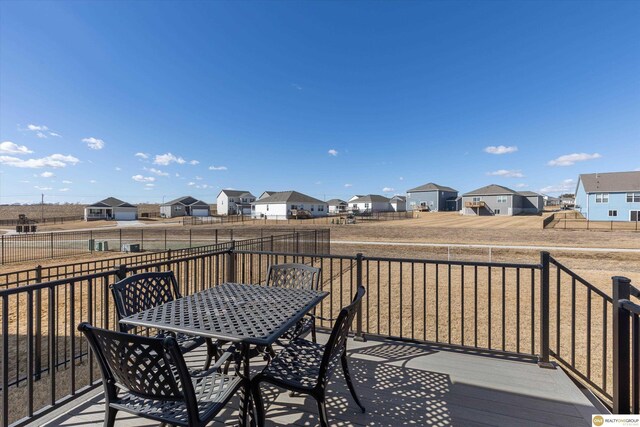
(238, 313)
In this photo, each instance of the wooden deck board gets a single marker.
(410, 384)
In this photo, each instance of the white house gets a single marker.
(337, 206)
(234, 202)
(266, 194)
(399, 203)
(111, 208)
(370, 203)
(184, 206)
(356, 196)
(283, 205)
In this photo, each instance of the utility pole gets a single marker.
(42, 208)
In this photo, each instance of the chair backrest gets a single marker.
(338, 339)
(296, 276)
(143, 291)
(152, 368)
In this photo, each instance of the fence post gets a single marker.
(38, 327)
(190, 230)
(621, 353)
(51, 239)
(359, 336)
(2, 238)
(231, 263)
(543, 360)
(122, 271)
(120, 245)
(141, 240)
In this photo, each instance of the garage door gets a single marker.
(125, 216)
(200, 212)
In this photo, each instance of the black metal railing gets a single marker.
(626, 347)
(514, 310)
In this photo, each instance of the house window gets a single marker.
(613, 213)
(95, 212)
(366, 205)
(502, 199)
(267, 208)
(311, 208)
(320, 208)
(602, 197)
(476, 199)
(178, 207)
(497, 211)
(633, 197)
(231, 199)
(294, 207)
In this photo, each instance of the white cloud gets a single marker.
(46, 174)
(118, 168)
(63, 189)
(92, 181)
(348, 185)
(8, 147)
(41, 134)
(37, 187)
(296, 86)
(52, 161)
(149, 185)
(388, 190)
(177, 175)
(506, 173)
(198, 178)
(67, 182)
(167, 159)
(333, 152)
(521, 185)
(158, 172)
(570, 159)
(217, 168)
(94, 143)
(56, 135)
(500, 149)
(194, 162)
(401, 178)
(190, 184)
(141, 155)
(37, 127)
(566, 186)
(140, 178)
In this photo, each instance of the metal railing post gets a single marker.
(621, 353)
(231, 263)
(543, 360)
(122, 271)
(38, 327)
(359, 336)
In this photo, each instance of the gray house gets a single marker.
(337, 206)
(432, 197)
(498, 200)
(185, 206)
(111, 208)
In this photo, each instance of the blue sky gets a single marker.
(151, 100)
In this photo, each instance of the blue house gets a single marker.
(613, 196)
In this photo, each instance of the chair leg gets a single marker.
(347, 376)
(322, 411)
(110, 417)
(212, 353)
(258, 404)
(313, 332)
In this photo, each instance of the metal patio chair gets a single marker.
(149, 377)
(306, 367)
(297, 276)
(143, 291)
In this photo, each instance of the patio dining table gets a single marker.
(245, 314)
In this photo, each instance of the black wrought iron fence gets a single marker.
(626, 347)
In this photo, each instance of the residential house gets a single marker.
(370, 203)
(184, 206)
(288, 204)
(613, 196)
(266, 194)
(432, 197)
(498, 200)
(551, 201)
(337, 206)
(111, 208)
(399, 203)
(356, 196)
(234, 202)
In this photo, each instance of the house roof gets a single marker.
(529, 194)
(432, 187)
(287, 197)
(247, 194)
(336, 202)
(397, 198)
(234, 193)
(611, 182)
(111, 202)
(187, 201)
(371, 198)
(267, 194)
(491, 190)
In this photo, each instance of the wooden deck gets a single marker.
(409, 384)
